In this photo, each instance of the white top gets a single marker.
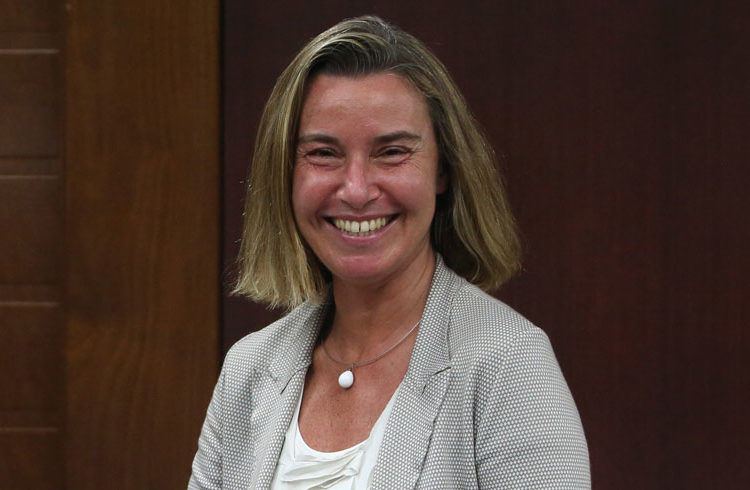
(302, 467)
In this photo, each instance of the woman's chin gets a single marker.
(365, 275)
(375, 270)
(360, 270)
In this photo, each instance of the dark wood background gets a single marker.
(623, 129)
(109, 240)
(32, 332)
(142, 208)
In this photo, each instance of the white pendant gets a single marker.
(346, 379)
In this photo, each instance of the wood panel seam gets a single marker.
(28, 430)
(24, 51)
(29, 304)
(28, 176)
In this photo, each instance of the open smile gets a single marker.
(363, 227)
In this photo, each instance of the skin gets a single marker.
(366, 150)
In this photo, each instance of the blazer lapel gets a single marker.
(280, 390)
(409, 428)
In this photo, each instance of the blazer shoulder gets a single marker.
(483, 327)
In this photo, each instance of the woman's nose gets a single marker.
(358, 187)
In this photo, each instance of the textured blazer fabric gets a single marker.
(483, 403)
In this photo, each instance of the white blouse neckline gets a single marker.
(301, 466)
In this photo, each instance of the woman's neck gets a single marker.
(369, 318)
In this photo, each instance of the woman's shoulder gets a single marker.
(484, 329)
(484, 314)
(475, 316)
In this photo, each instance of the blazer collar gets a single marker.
(431, 353)
(410, 425)
(305, 323)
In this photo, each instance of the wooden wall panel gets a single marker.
(29, 103)
(25, 166)
(31, 459)
(622, 130)
(707, 252)
(32, 384)
(29, 16)
(31, 217)
(142, 238)
(31, 363)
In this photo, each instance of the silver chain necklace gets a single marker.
(346, 378)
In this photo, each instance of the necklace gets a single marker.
(346, 378)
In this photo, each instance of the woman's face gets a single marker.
(366, 176)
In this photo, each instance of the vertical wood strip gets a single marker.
(142, 238)
(32, 384)
(30, 459)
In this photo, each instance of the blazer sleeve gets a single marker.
(529, 433)
(207, 464)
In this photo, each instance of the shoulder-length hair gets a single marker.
(473, 227)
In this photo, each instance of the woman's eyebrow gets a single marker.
(396, 136)
(382, 139)
(318, 137)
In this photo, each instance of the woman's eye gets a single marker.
(395, 153)
(320, 157)
(322, 152)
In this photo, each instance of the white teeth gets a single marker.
(360, 227)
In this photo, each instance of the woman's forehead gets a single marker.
(384, 103)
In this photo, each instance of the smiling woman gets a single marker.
(376, 212)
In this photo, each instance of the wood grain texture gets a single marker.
(32, 42)
(708, 238)
(31, 360)
(30, 166)
(31, 218)
(32, 385)
(622, 131)
(29, 103)
(30, 459)
(43, 294)
(30, 16)
(142, 246)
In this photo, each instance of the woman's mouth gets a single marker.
(363, 227)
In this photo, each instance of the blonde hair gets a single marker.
(473, 227)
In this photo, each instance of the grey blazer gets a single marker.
(483, 403)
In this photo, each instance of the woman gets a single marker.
(375, 211)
